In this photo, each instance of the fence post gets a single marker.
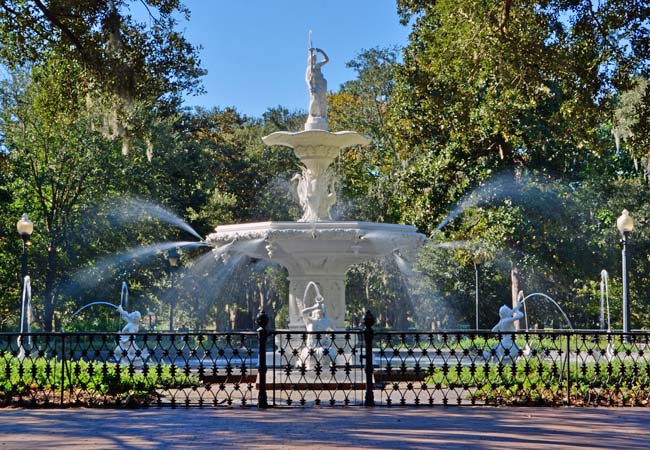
(368, 334)
(62, 366)
(568, 369)
(262, 334)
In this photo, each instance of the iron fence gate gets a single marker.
(266, 368)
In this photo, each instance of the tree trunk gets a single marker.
(50, 294)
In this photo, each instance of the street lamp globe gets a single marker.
(625, 223)
(25, 227)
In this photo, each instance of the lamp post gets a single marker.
(625, 225)
(477, 259)
(172, 258)
(476, 264)
(25, 228)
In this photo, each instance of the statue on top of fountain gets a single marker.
(507, 350)
(127, 351)
(317, 85)
(318, 345)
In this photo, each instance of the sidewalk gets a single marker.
(351, 428)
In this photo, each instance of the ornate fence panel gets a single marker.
(31, 369)
(318, 368)
(103, 369)
(208, 369)
(470, 368)
(610, 369)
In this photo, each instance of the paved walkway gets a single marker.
(351, 428)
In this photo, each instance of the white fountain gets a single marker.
(316, 248)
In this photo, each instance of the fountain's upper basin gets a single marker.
(316, 149)
(326, 245)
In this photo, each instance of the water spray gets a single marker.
(124, 296)
(604, 297)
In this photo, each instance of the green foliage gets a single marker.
(632, 123)
(362, 105)
(57, 166)
(118, 54)
(128, 72)
(93, 381)
(535, 382)
(492, 85)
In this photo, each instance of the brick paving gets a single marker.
(311, 428)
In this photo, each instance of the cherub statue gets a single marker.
(316, 344)
(506, 326)
(132, 320)
(317, 320)
(126, 343)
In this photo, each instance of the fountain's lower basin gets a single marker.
(317, 251)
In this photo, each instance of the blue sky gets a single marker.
(255, 51)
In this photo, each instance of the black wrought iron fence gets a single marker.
(343, 368)
(100, 369)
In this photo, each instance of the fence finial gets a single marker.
(369, 319)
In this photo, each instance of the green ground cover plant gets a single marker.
(40, 380)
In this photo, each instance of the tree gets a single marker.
(55, 166)
(632, 123)
(124, 67)
(251, 181)
(501, 84)
(368, 173)
(526, 87)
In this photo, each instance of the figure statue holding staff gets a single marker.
(317, 85)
